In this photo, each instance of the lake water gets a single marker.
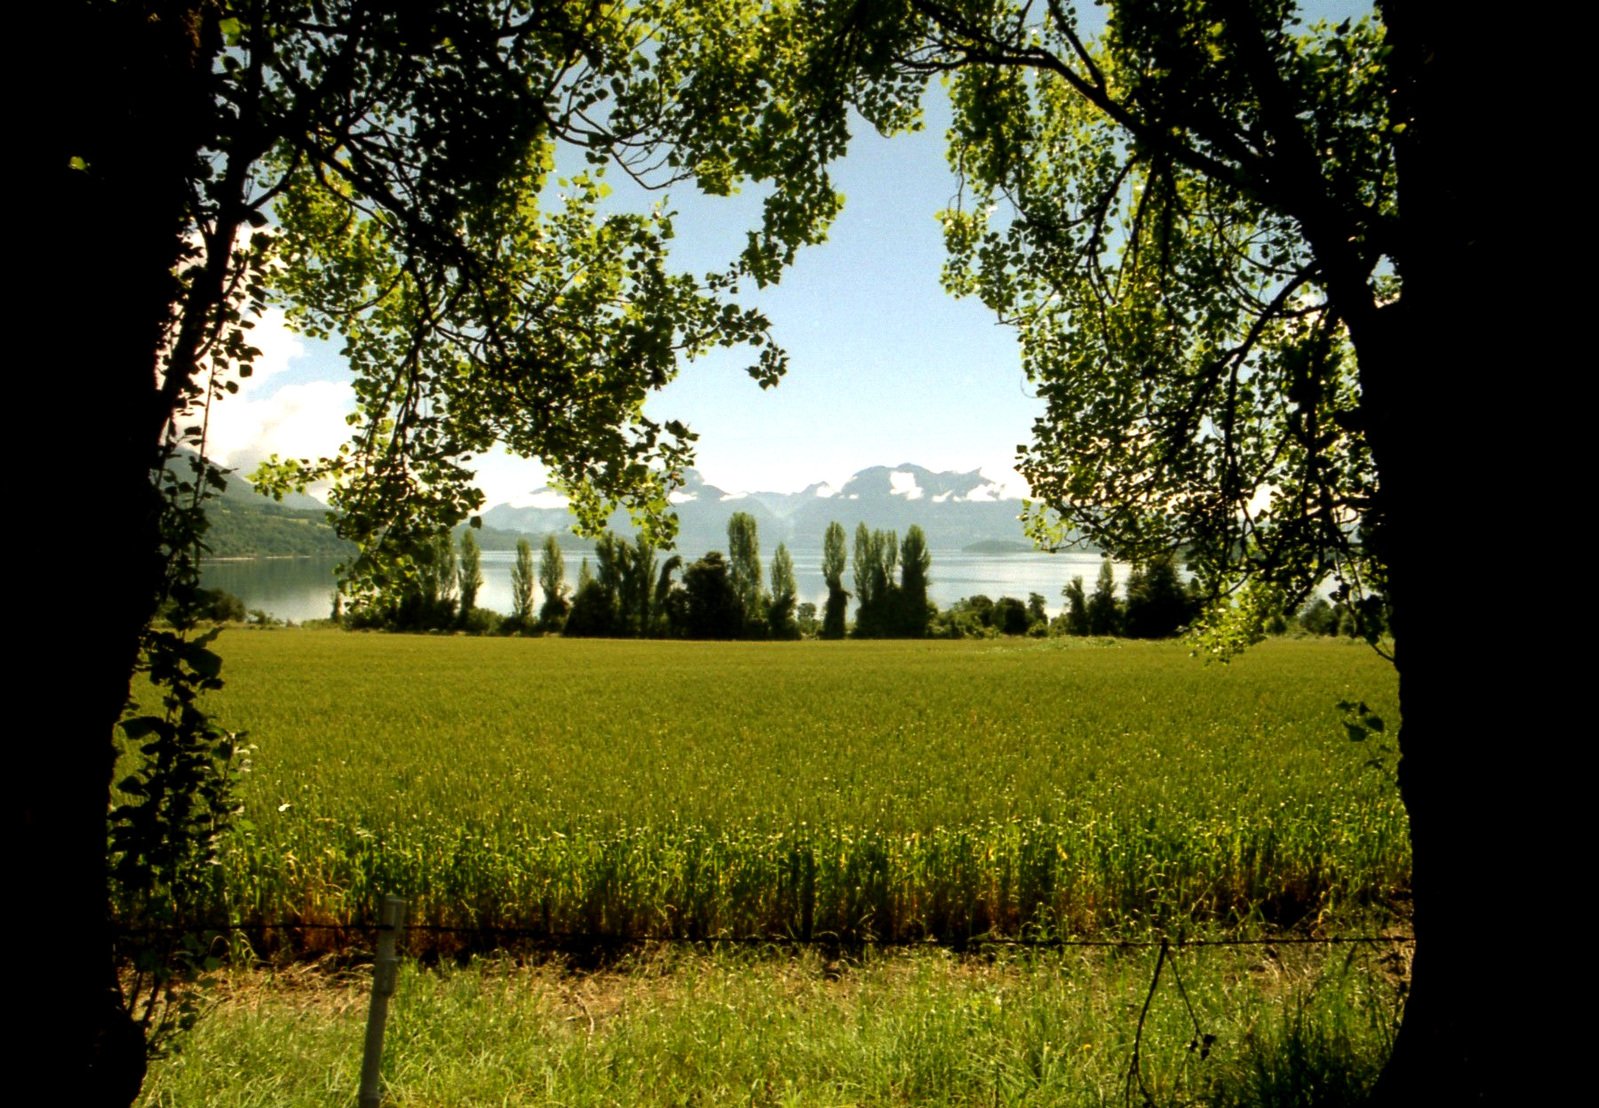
(301, 588)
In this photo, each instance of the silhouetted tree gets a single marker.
(876, 556)
(1010, 616)
(469, 575)
(593, 613)
(805, 618)
(1076, 615)
(660, 616)
(837, 611)
(780, 611)
(1104, 615)
(914, 560)
(1157, 604)
(552, 583)
(637, 570)
(1037, 614)
(711, 609)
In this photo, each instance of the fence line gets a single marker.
(540, 936)
(1136, 1089)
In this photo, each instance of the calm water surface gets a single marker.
(302, 588)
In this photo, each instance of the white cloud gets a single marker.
(270, 415)
(296, 421)
(278, 345)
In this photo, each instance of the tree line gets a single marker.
(633, 589)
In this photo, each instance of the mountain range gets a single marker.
(954, 509)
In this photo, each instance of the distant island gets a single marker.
(999, 546)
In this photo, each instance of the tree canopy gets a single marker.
(1247, 259)
(1236, 251)
(386, 172)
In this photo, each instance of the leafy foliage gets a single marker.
(552, 583)
(1190, 222)
(469, 573)
(480, 298)
(780, 619)
(522, 584)
(914, 562)
(176, 796)
(744, 568)
(711, 608)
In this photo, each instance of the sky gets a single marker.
(884, 367)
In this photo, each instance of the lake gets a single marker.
(298, 589)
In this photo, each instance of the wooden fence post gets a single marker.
(385, 969)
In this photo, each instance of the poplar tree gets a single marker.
(552, 583)
(833, 562)
(1103, 611)
(744, 566)
(522, 584)
(469, 575)
(780, 612)
(915, 560)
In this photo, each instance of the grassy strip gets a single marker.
(672, 1027)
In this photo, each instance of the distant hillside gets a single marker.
(244, 524)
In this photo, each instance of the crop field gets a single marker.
(864, 791)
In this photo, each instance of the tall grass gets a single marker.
(891, 791)
(1292, 1027)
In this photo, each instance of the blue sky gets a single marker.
(885, 367)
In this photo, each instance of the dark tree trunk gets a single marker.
(110, 156)
(1433, 427)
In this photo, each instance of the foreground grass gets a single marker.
(882, 790)
(1293, 1026)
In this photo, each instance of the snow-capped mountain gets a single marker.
(954, 509)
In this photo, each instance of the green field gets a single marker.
(889, 791)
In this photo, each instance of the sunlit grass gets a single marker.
(889, 790)
(1292, 1026)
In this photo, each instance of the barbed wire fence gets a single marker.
(392, 926)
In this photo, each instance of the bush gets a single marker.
(220, 605)
(1010, 616)
(482, 621)
(1318, 617)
